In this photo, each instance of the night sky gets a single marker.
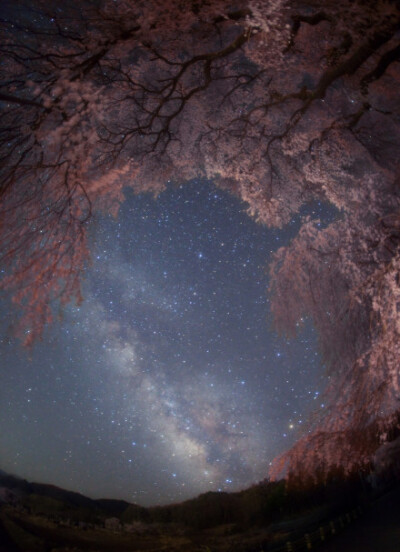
(168, 381)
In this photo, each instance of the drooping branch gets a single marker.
(20, 101)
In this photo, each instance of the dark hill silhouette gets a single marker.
(69, 499)
(263, 503)
(264, 516)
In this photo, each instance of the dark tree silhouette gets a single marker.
(279, 102)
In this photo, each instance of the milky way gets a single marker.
(168, 381)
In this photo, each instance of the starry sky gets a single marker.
(168, 381)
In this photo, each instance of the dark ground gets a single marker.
(6, 545)
(378, 530)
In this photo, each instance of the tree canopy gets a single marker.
(280, 102)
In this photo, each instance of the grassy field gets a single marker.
(33, 533)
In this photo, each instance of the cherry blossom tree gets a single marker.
(280, 102)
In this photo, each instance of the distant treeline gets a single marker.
(263, 503)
